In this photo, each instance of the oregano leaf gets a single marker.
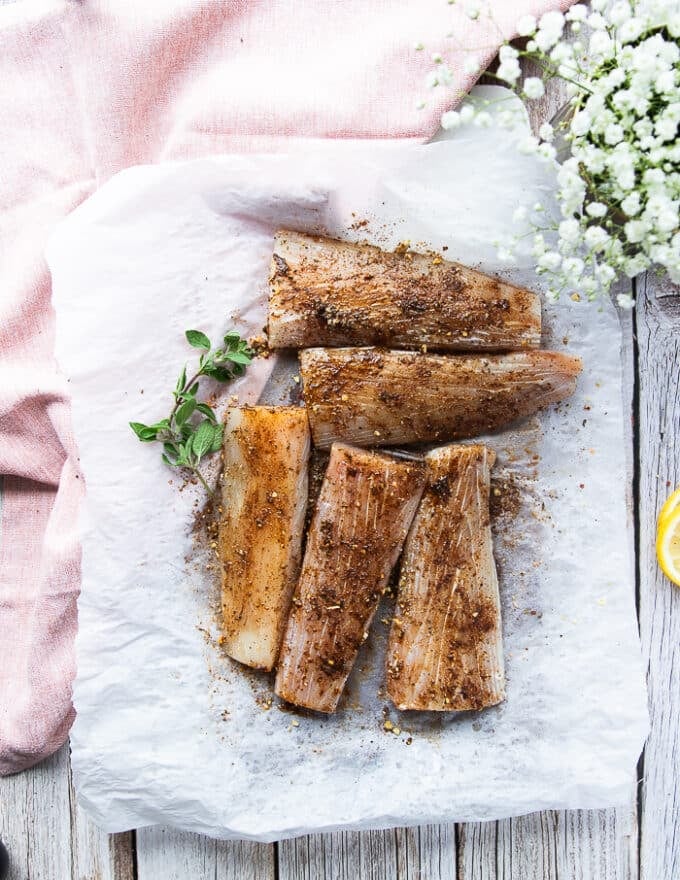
(207, 411)
(198, 339)
(218, 435)
(185, 411)
(203, 439)
(185, 442)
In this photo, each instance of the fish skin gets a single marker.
(381, 397)
(362, 516)
(445, 648)
(329, 292)
(264, 499)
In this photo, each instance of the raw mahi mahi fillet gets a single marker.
(377, 397)
(362, 516)
(328, 292)
(445, 648)
(264, 498)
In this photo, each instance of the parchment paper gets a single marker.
(168, 730)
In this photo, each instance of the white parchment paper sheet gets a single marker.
(170, 731)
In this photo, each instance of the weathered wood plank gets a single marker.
(48, 836)
(35, 820)
(573, 845)
(97, 855)
(166, 854)
(424, 853)
(658, 332)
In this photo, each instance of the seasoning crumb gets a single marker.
(388, 725)
(408, 740)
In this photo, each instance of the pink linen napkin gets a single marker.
(90, 87)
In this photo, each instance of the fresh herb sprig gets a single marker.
(192, 431)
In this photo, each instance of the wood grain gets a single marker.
(658, 332)
(424, 853)
(572, 845)
(167, 854)
(48, 835)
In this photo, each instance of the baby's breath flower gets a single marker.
(631, 204)
(546, 132)
(467, 113)
(578, 12)
(596, 209)
(472, 9)
(630, 30)
(509, 71)
(619, 191)
(620, 12)
(526, 26)
(533, 87)
(547, 151)
(450, 119)
(596, 238)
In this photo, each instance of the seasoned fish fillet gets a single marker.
(362, 515)
(264, 498)
(445, 648)
(376, 397)
(327, 292)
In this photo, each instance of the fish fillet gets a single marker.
(376, 397)
(362, 516)
(264, 498)
(327, 292)
(445, 649)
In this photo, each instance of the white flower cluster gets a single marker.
(619, 191)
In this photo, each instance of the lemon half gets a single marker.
(668, 539)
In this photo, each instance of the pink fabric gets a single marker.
(89, 88)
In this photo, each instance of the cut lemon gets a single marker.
(668, 545)
(671, 503)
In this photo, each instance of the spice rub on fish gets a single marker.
(378, 397)
(362, 516)
(328, 292)
(445, 648)
(264, 499)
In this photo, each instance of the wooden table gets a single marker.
(50, 838)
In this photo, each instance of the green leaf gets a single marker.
(239, 357)
(203, 439)
(146, 433)
(218, 432)
(232, 338)
(181, 381)
(164, 423)
(222, 374)
(193, 391)
(207, 411)
(183, 455)
(167, 460)
(171, 449)
(198, 339)
(185, 411)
